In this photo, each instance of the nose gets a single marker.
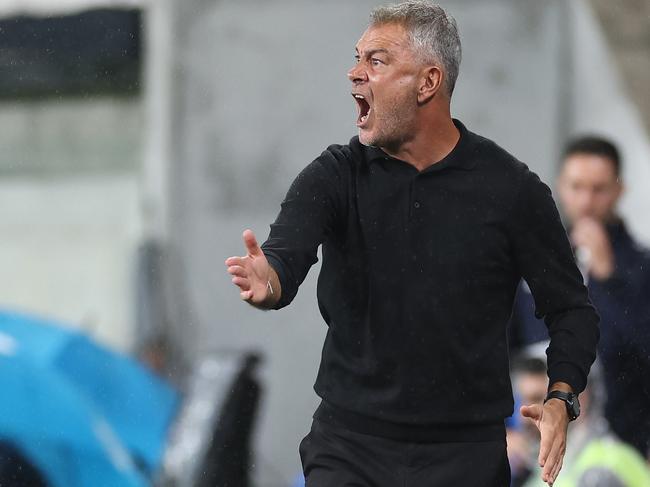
(357, 74)
(584, 202)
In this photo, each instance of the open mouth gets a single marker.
(363, 107)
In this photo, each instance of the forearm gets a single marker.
(560, 386)
(574, 337)
(543, 255)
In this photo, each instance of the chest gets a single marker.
(448, 222)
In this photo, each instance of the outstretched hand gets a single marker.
(552, 421)
(251, 273)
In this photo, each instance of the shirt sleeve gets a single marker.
(545, 260)
(308, 214)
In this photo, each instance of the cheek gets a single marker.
(606, 200)
(393, 92)
(398, 105)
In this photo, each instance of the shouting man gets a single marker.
(426, 229)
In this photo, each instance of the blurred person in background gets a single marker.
(594, 456)
(426, 230)
(530, 384)
(617, 272)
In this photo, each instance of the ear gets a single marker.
(620, 188)
(430, 84)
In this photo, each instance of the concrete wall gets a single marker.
(601, 105)
(627, 29)
(70, 215)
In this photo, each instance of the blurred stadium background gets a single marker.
(140, 138)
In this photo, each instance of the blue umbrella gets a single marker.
(55, 427)
(138, 406)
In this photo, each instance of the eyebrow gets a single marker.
(373, 51)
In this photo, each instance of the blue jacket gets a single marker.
(623, 301)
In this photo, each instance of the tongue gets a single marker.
(365, 117)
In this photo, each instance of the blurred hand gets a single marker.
(519, 450)
(552, 420)
(251, 272)
(590, 234)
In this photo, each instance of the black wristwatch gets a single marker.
(571, 401)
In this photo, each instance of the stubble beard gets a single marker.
(394, 125)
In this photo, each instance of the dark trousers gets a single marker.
(333, 456)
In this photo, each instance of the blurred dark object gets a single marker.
(154, 354)
(228, 459)
(94, 52)
(153, 345)
(211, 444)
(16, 470)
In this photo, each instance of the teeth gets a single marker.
(365, 117)
(360, 97)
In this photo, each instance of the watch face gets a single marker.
(573, 406)
(571, 401)
(576, 406)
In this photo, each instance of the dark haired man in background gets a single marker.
(617, 272)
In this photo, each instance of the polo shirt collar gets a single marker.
(460, 156)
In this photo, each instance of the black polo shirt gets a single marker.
(417, 285)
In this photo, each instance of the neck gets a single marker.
(434, 138)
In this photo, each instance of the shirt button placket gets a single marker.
(414, 203)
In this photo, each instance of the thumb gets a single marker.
(251, 243)
(533, 412)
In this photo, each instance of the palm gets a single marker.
(250, 272)
(552, 426)
(257, 269)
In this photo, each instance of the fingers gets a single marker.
(230, 261)
(553, 462)
(533, 412)
(251, 242)
(243, 283)
(556, 470)
(240, 278)
(240, 267)
(545, 446)
(252, 247)
(237, 270)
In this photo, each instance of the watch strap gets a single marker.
(569, 399)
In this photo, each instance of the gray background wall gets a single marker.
(70, 214)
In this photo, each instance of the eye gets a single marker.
(356, 59)
(376, 62)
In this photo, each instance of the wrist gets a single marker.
(568, 401)
(271, 298)
(273, 291)
(560, 386)
(558, 405)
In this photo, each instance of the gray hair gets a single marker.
(433, 33)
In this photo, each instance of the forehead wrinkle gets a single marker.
(383, 40)
(382, 45)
